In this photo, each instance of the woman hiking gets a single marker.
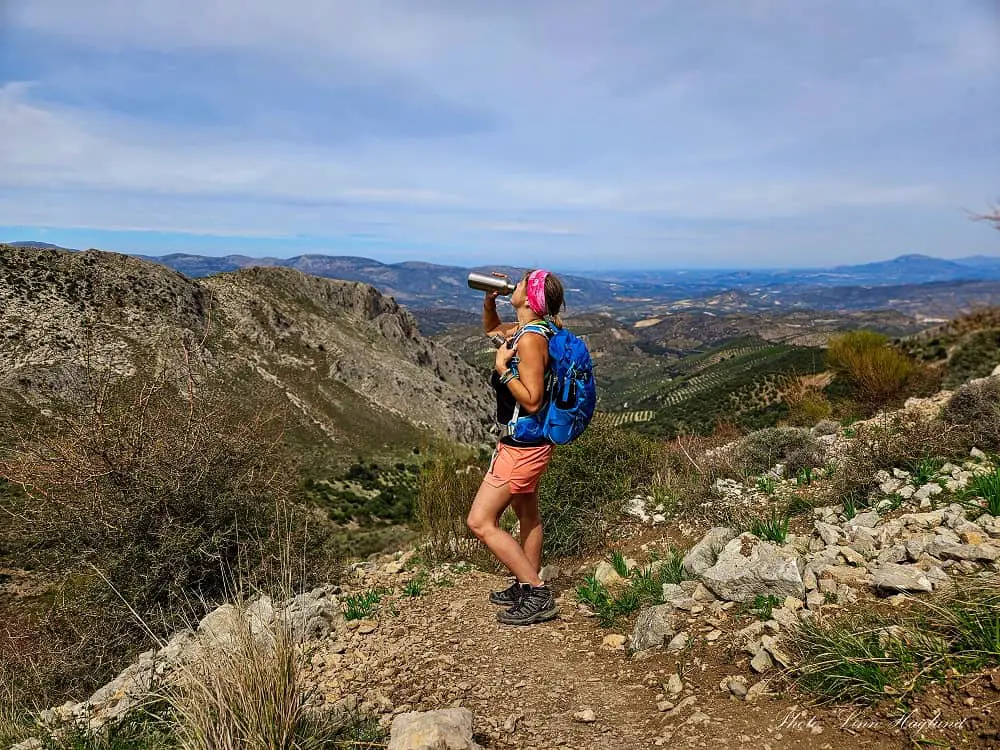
(520, 379)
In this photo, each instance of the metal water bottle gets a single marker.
(485, 283)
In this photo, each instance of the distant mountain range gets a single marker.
(427, 285)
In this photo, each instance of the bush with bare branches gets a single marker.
(894, 440)
(154, 497)
(447, 485)
(975, 409)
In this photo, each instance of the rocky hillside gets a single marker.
(350, 361)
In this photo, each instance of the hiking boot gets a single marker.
(508, 597)
(536, 604)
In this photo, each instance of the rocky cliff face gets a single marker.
(351, 361)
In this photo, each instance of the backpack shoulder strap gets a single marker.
(543, 329)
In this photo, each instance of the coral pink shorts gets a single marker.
(521, 467)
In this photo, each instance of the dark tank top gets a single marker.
(506, 403)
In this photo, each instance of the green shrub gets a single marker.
(581, 496)
(975, 408)
(876, 372)
(987, 486)
(774, 528)
(757, 452)
(362, 605)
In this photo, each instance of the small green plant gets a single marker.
(987, 486)
(798, 505)
(647, 584)
(671, 568)
(362, 605)
(829, 597)
(773, 528)
(628, 601)
(763, 606)
(850, 432)
(924, 470)
(896, 501)
(595, 595)
(805, 477)
(416, 586)
(645, 588)
(767, 484)
(141, 731)
(617, 560)
(850, 509)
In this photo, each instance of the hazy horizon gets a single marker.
(656, 135)
(580, 271)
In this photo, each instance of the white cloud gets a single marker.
(604, 122)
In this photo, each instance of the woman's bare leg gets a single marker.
(483, 521)
(525, 505)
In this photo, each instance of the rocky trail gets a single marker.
(570, 684)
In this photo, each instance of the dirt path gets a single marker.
(524, 685)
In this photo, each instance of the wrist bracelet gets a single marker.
(507, 376)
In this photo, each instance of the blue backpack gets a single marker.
(571, 394)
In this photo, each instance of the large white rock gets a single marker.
(893, 577)
(653, 626)
(829, 533)
(444, 729)
(748, 567)
(973, 552)
(868, 519)
(703, 555)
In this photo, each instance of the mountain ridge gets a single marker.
(336, 350)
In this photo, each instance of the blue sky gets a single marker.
(687, 133)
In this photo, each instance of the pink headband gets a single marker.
(536, 291)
